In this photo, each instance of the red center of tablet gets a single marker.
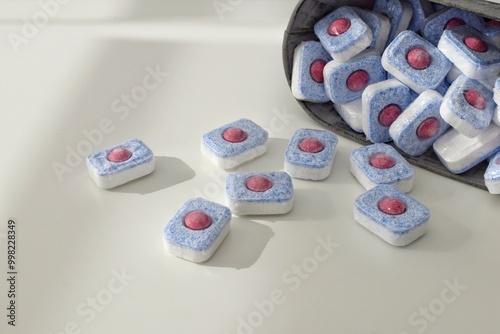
(476, 44)
(392, 206)
(389, 114)
(234, 135)
(492, 23)
(119, 154)
(418, 59)
(428, 128)
(382, 161)
(339, 26)
(357, 80)
(259, 183)
(454, 22)
(197, 220)
(311, 145)
(475, 99)
(316, 70)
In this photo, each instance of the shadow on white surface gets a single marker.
(341, 175)
(276, 147)
(308, 205)
(445, 234)
(243, 245)
(168, 172)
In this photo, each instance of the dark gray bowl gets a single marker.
(300, 28)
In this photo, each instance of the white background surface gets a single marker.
(73, 238)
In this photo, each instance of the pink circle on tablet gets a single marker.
(418, 59)
(311, 145)
(197, 220)
(357, 80)
(388, 114)
(476, 44)
(492, 23)
(258, 184)
(119, 154)
(392, 206)
(475, 99)
(382, 161)
(428, 128)
(339, 26)
(316, 70)
(454, 22)
(234, 135)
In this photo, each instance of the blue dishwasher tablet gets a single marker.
(197, 229)
(120, 164)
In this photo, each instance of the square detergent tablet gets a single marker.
(379, 164)
(459, 153)
(345, 82)
(415, 62)
(197, 229)
(234, 144)
(382, 103)
(398, 12)
(120, 164)
(448, 18)
(468, 106)
(391, 215)
(259, 193)
(420, 124)
(309, 59)
(380, 26)
(343, 33)
(468, 50)
(492, 175)
(310, 154)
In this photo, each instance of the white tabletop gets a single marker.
(92, 261)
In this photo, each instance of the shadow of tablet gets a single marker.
(168, 172)
(243, 245)
(308, 205)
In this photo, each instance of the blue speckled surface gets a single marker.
(141, 154)
(421, 9)
(336, 75)
(456, 103)
(425, 106)
(311, 160)
(402, 170)
(418, 80)
(374, 21)
(281, 191)
(256, 136)
(452, 39)
(338, 44)
(415, 215)
(443, 87)
(492, 173)
(177, 233)
(305, 54)
(492, 34)
(378, 96)
(393, 10)
(434, 25)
